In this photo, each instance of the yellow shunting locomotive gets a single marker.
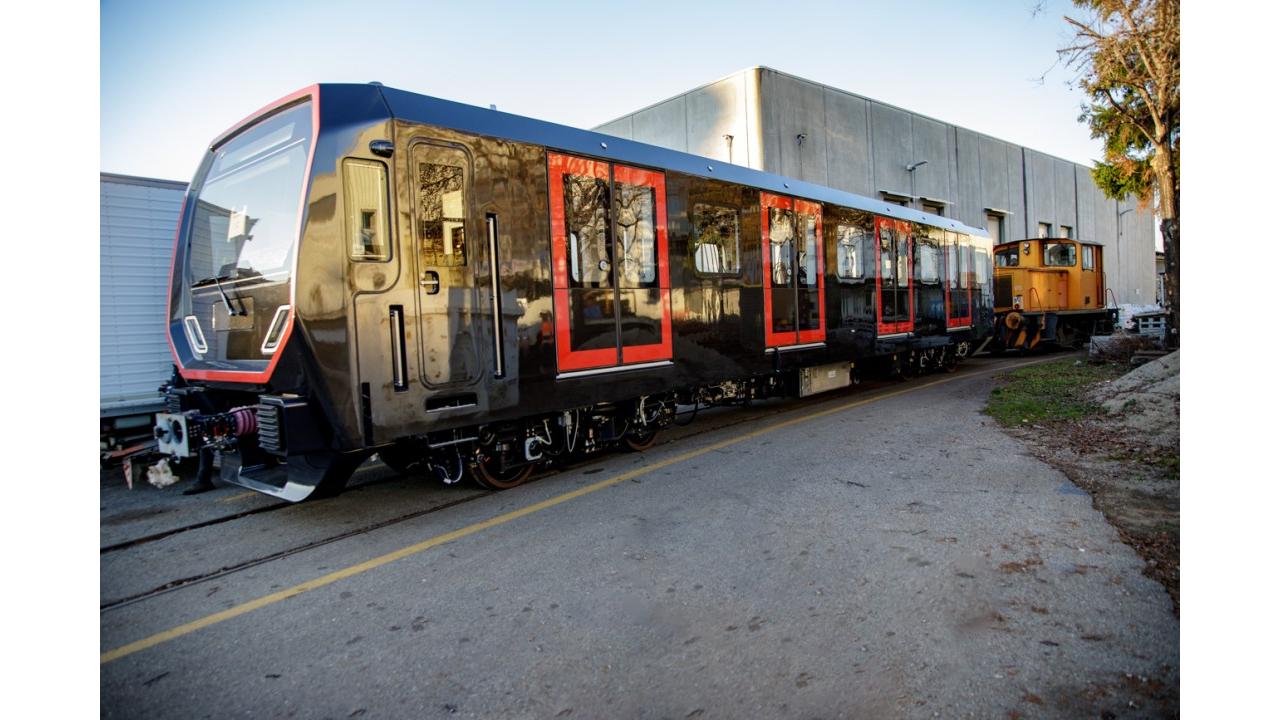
(1050, 291)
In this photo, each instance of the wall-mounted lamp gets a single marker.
(912, 167)
(801, 138)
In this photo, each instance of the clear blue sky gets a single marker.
(175, 74)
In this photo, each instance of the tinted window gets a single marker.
(365, 185)
(853, 248)
(637, 242)
(585, 204)
(715, 240)
(246, 216)
(442, 215)
(927, 259)
(807, 259)
(781, 230)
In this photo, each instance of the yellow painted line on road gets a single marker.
(239, 496)
(273, 598)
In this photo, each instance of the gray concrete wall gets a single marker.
(698, 121)
(864, 146)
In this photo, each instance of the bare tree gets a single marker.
(1127, 55)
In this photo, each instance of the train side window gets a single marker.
(716, 244)
(442, 215)
(980, 260)
(365, 187)
(637, 242)
(807, 254)
(1059, 254)
(1086, 257)
(586, 202)
(927, 257)
(853, 250)
(781, 232)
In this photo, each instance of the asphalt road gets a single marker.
(881, 552)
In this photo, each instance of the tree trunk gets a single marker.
(1169, 230)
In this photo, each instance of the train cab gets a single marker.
(1050, 290)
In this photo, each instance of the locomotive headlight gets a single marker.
(1017, 300)
(195, 336)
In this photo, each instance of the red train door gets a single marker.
(959, 285)
(895, 305)
(611, 286)
(794, 287)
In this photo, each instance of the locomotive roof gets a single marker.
(414, 107)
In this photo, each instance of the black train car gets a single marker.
(360, 269)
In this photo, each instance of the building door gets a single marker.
(612, 291)
(895, 306)
(794, 287)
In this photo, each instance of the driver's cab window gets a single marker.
(1059, 254)
(1007, 256)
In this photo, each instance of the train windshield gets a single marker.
(246, 216)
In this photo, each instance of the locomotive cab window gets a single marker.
(716, 245)
(442, 208)
(1059, 254)
(1086, 257)
(365, 183)
(1007, 257)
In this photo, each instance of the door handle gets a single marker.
(430, 280)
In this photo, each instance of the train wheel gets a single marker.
(488, 473)
(640, 441)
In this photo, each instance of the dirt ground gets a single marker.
(1124, 452)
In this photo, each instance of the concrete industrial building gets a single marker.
(769, 120)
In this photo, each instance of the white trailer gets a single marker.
(138, 223)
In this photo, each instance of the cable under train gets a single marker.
(359, 269)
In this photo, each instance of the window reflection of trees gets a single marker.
(807, 259)
(586, 224)
(635, 218)
(851, 250)
(715, 240)
(781, 232)
(441, 215)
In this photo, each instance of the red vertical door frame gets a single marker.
(903, 229)
(818, 334)
(946, 272)
(767, 201)
(567, 358)
(661, 350)
(959, 243)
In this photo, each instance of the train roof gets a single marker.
(1051, 239)
(428, 110)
